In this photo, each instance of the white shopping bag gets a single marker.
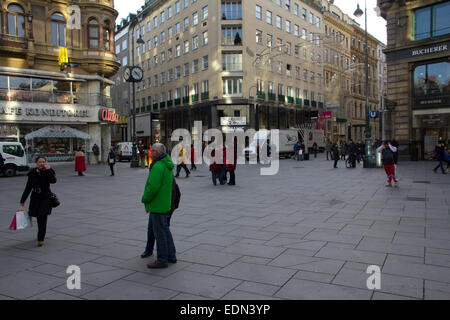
(22, 220)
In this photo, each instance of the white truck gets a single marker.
(288, 138)
(14, 158)
(309, 136)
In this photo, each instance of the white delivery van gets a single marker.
(124, 151)
(309, 136)
(288, 138)
(15, 158)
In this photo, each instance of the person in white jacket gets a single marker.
(387, 151)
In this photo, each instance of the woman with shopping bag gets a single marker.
(38, 184)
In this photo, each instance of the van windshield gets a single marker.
(14, 150)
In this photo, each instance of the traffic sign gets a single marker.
(373, 114)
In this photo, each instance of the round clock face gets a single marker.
(127, 74)
(137, 74)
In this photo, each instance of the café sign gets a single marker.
(108, 115)
(233, 121)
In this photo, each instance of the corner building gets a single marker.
(229, 65)
(417, 55)
(35, 94)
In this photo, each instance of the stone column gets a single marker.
(105, 142)
(95, 132)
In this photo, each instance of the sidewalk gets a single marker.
(309, 232)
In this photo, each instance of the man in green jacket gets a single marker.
(157, 199)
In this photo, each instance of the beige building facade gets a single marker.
(36, 92)
(258, 64)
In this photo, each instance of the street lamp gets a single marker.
(134, 158)
(369, 159)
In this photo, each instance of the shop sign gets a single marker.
(332, 104)
(430, 102)
(47, 112)
(325, 115)
(233, 121)
(8, 131)
(373, 114)
(108, 115)
(421, 52)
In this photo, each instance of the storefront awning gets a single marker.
(57, 131)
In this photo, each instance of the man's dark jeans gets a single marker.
(150, 236)
(163, 236)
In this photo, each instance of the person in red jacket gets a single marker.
(193, 166)
(80, 162)
(216, 169)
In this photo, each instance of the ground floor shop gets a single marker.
(56, 131)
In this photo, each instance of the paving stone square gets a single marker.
(308, 232)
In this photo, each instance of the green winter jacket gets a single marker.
(157, 196)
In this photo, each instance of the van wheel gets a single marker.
(10, 171)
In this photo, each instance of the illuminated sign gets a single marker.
(108, 115)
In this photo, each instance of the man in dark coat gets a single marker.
(38, 184)
(111, 160)
(352, 153)
(440, 155)
(335, 153)
(395, 144)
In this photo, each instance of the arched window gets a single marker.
(93, 34)
(16, 21)
(58, 30)
(106, 37)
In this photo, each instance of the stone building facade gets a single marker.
(417, 54)
(258, 63)
(36, 92)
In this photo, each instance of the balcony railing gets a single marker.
(149, 108)
(272, 96)
(177, 101)
(155, 106)
(298, 101)
(306, 102)
(205, 95)
(137, 110)
(321, 105)
(194, 97)
(169, 103)
(63, 97)
(162, 104)
(314, 103)
(281, 98)
(261, 95)
(290, 99)
(186, 100)
(143, 109)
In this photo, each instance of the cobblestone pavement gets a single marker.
(309, 232)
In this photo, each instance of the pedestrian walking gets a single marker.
(216, 169)
(315, 149)
(328, 149)
(440, 155)
(335, 154)
(80, 162)
(224, 165)
(38, 184)
(111, 160)
(96, 152)
(231, 163)
(387, 157)
(181, 162)
(142, 155)
(296, 149)
(352, 150)
(193, 166)
(343, 150)
(157, 199)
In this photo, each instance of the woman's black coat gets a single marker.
(39, 185)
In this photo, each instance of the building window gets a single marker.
(288, 26)
(107, 39)
(205, 38)
(177, 7)
(259, 37)
(311, 18)
(258, 12)
(155, 22)
(232, 35)
(259, 85)
(232, 62)
(186, 47)
(269, 41)
(155, 41)
(269, 17)
(205, 62)
(59, 31)
(169, 12)
(205, 86)
(280, 89)
(279, 22)
(177, 28)
(195, 18)
(304, 14)
(204, 13)
(432, 21)
(149, 26)
(177, 72)
(185, 4)
(186, 23)
(232, 86)
(432, 79)
(16, 21)
(177, 50)
(93, 34)
(163, 17)
(231, 10)
(195, 66)
(194, 42)
(296, 9)
(297, 30)
(186, 69)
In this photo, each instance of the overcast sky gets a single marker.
(376, 25)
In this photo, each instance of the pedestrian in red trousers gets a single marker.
(387, 151)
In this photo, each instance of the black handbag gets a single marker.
(53, 200)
